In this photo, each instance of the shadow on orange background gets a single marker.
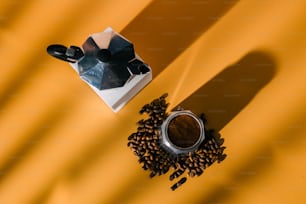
(166, 28)
(224, 96)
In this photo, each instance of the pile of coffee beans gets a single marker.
(145, 143)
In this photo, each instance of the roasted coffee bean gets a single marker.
(131, 144)
(152, 174)
(165, 95)
(221, 157)
(176, 174)
(216, 146)
(132, 136)
(218, 139)
(143, 109)
(155, 102)
(179, 183)
(165, 169)
(202, 160)
(140, 122)
(192, 173)
(145, 167)
(221, 150)
(199, 171)
(190, 156)
(196, 164)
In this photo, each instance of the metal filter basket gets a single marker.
(182, 132)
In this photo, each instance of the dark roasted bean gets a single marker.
(152, 174)
(179, 183)
(176, 174)
(199, 171)
(192, 173)
(165, 95)
(221, 158)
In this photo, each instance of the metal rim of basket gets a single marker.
(166, 142)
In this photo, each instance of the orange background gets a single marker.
(241, 62)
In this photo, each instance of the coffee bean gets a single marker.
(165, 170)
(192, 173)
(152, 174)
(131, 144)
(179, 183)
(176, 174)
(221, 157)
(145, 167)
(165, 95)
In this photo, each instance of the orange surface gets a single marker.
(241, 62)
